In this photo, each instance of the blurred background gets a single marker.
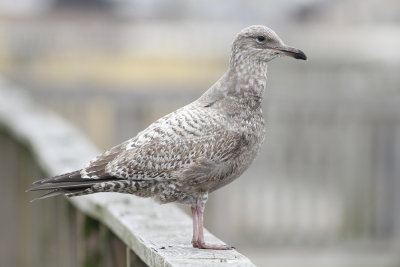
(325, 190)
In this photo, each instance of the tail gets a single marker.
(69, 184)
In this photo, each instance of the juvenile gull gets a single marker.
(196, 149)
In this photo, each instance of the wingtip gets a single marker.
(50, 194)
(32, 189)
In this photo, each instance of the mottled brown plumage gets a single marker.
(195, 149)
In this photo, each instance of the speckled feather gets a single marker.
(195, 149)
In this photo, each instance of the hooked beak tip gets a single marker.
(300, 55)
(293, 52)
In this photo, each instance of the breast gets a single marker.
(252, 137)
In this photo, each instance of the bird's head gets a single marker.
(260, 43)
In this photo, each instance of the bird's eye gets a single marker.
(260, 38)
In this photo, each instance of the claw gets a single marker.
(195, 244)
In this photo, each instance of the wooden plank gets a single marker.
(159, 234)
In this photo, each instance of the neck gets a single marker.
(250, 73)
(244, 80)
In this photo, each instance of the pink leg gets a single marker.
(195, 227)
(200, 241)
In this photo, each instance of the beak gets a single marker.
(292, 52)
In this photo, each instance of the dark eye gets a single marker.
(260, 38)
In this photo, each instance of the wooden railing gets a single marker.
(105, 229)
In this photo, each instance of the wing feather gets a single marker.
(170, 159)
(171, 146)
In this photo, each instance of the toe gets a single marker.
(214, 246)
